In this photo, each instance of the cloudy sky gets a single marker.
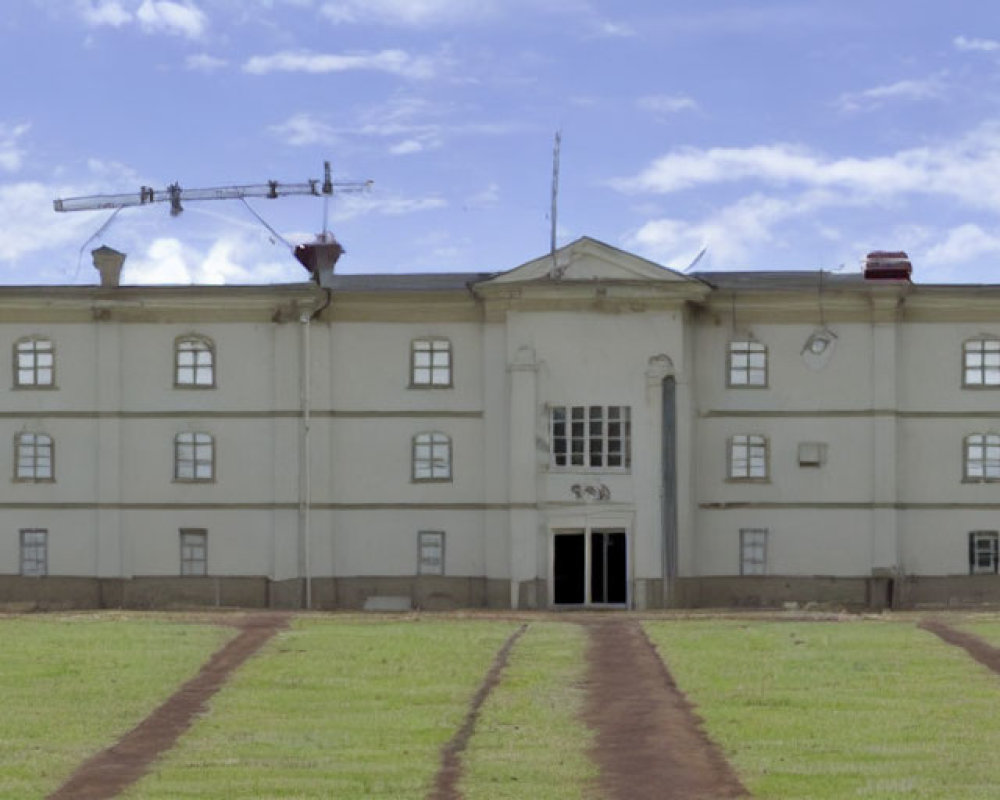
(779, 135)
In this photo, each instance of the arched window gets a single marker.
(194, 457)
(982, 457)
(33, 457)
(194, 362)
(34, 363)
(431, 457)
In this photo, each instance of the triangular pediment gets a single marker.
(588, 260)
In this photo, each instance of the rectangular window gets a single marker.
(983, 553)
(194, 457)
(430, 363)
(748, 457)
(431, 457)
(591, 437)
(430, 553)
(34, 551)
(34, 363)
(753, 551)
(747, 364)
(33, 457)
(982, 457)
(981, 363)
(194, 551)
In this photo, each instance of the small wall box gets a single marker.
(811, 454)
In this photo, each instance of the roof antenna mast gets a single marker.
(554, 272)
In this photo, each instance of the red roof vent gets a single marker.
(882, 265)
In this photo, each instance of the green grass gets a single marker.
(71, 685)
(529, 741)
(832, 710)
(335, 707)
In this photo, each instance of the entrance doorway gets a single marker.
(590, 567)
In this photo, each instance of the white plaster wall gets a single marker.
(72, 541)
(936, 541)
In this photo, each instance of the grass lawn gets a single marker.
(335, 707)
(874, 709)
(529, 741)
(72, 684)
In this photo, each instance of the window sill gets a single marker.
(195, 387)
(978, 387)
(33, 480)
(438, 386)
(747, 386)
(747, 480)
(193, 480)
(34, 387)
(589, 470)
(981, 480)
(431, 480)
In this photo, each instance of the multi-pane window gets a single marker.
(194, 362)
(748, 457)
(33, 457)
(194, 457)
(34, 363)
(430, 553)
(982, 457)
(981, 362)
(747, 364)
(34, 551)
(591, 437)
(430, 363)
(431, 457)
(753, 551)
(194, 551)
(983, 552)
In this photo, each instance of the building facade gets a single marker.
(588, 429)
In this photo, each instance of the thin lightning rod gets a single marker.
(555, 192)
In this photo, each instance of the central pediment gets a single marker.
(588, 260)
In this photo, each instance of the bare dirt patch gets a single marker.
(446, 782)
(984, 653)
(649, 742)
(109, 772)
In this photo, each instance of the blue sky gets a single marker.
(779, 135)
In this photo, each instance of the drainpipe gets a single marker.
(305, 461)
(668, 449)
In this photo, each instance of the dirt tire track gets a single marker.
(649, 743)
(984, 653)
(109, 772)
(446, 782)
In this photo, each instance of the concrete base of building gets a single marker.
(440, 593)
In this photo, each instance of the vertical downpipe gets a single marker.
(305, 476)
(668, 450)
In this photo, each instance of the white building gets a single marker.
(585, 429)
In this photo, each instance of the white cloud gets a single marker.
(392, 205)
(395, 62)
(487, 198)
(962, 244)
(31, 226)
(966, 170)
(168, 260)
(107, 12)
(914, 90)
(970, 45)
(666, 103)
(406, 147)
(11, 152)
(617, 30)
(408, 13)
(303, 130)
(202, 62)
(166, 16)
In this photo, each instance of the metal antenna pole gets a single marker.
(555, 192)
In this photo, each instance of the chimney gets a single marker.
(320, 257)
(882, 265)
(109, 263)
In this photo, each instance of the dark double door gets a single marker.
(595, 560)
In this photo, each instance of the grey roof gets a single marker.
(418, 282)
(779, 279)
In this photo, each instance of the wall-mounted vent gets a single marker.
(812, 454)
(882, 265)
